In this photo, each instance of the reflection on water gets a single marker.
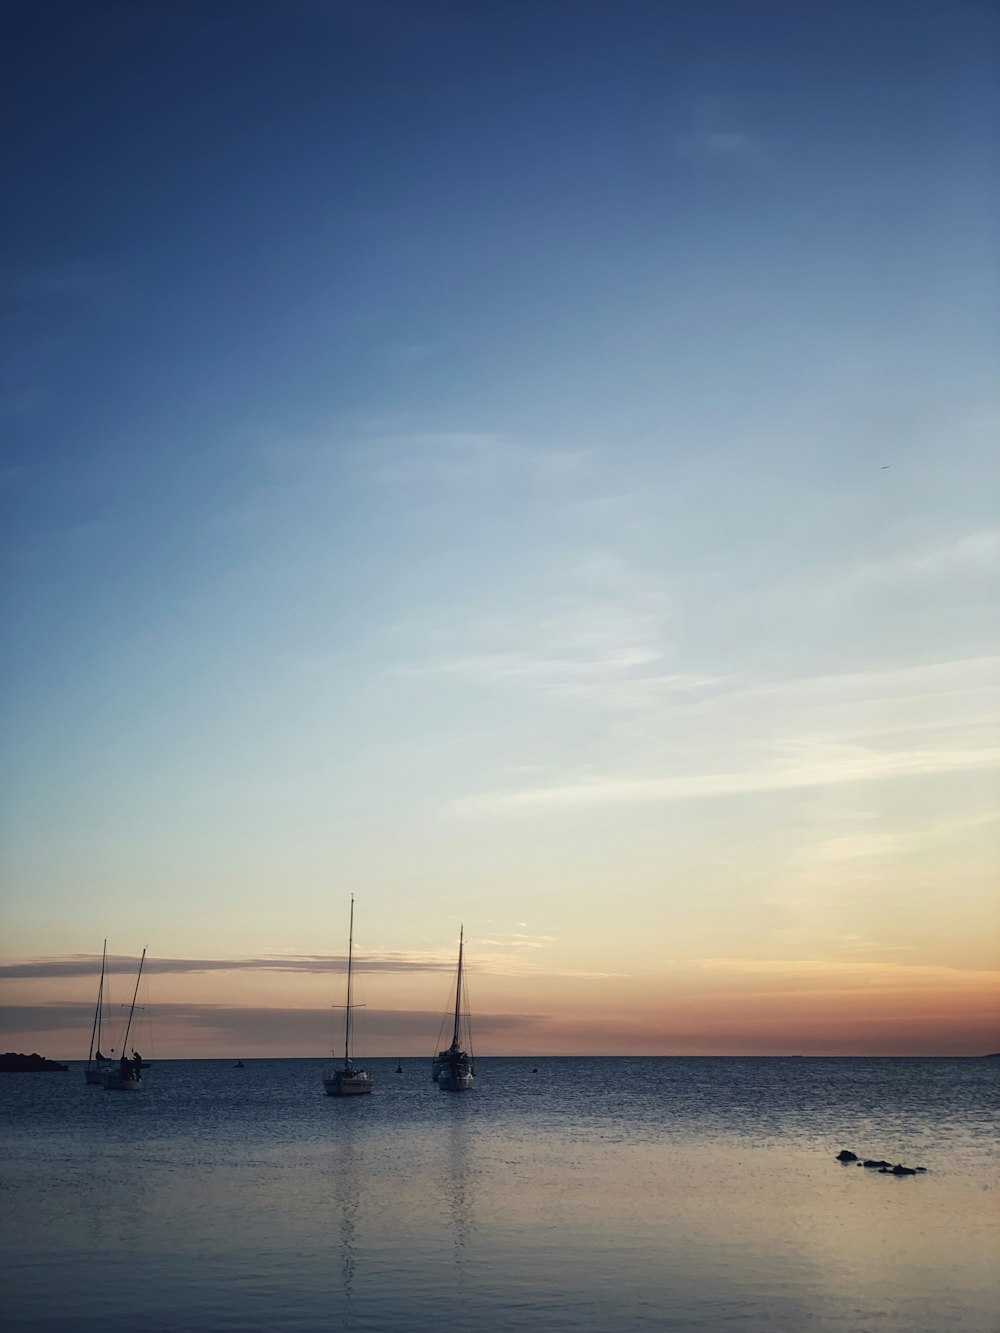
(459, 1185)
(675, 1195)
(347, 1195)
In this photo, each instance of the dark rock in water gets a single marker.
(11, 1063)
(879, 1164)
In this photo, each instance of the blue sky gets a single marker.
(528, 463)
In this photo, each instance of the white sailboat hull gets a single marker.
(341, 1083)
(460, 1082)
(113, 1081)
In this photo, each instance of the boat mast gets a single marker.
(347, 1013)
(128, 1026)
(95, 1031)
(458, 990)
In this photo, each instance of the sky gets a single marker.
(528, 465)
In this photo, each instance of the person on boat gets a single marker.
(124, 1068)
(136, 1066)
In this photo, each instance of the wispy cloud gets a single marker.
(714, 131)
(598, 630)
(466, 458)
(408, 354)
(578, 677)
(509, 962)
(974, 556)
(840, 764)
(884, 683)
(88, 964)
(513, 959)
(403, 460)
(519, 941)
(705, 144)
(868, 845)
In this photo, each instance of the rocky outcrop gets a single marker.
(11, 1063)
(879, 1164)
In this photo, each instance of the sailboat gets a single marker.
(96, 1062)
(455, 1068)
(345, 1080)
(126, 1075)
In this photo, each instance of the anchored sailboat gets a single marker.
(126, 1075)
(455, 1068)
(344, 1080)
(96, 1062)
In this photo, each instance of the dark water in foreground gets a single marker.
(595, 1194)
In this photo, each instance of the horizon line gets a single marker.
(791, 1055)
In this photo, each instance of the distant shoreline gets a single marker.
(16, 1062)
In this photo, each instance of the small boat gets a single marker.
(399, 1067)
(96, 1062)
(455, 1068)
(126, 1075)
(239, 1065)
(346, 1080)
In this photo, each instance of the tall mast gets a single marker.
(100, 995)
(95, 1031)
(347, 1013)
(128, 1026)
(458, 990)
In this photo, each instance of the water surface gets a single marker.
(677, 1194)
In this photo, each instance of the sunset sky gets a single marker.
(524, 464)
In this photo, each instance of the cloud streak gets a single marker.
(89, 965)
(81, 965)
(845, 764)
(468, 458)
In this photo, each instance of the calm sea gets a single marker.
(560, 1194)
